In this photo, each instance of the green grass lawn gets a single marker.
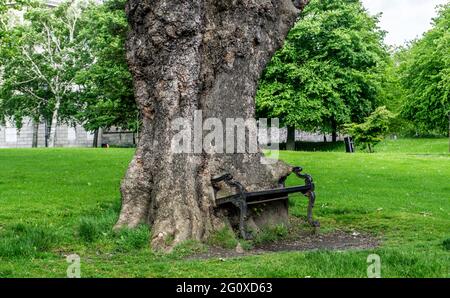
(55, 202)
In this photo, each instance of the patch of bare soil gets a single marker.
(337, 240)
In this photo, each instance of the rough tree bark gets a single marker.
(188, 55)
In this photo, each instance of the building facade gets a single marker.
(66, 136)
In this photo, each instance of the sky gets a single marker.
(404, 20)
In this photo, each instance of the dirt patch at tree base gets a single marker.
(337, 240)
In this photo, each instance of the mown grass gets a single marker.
(62, 201)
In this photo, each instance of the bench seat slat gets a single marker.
(266, 195)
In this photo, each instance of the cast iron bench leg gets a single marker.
(243, 210)
(311, 195)
(312, 199)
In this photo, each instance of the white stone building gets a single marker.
(66, 136)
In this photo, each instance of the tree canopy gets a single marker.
(66, 64)
(328, 72)
(425, 77)
(107, 98)
(39, 62)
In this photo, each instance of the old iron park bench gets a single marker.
(242, 198)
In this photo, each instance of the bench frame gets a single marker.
(243, 198)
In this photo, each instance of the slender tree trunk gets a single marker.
(47, 133)
(186, 56)
(290, 144)
(95, 141)
(333, 131)
(34, 143)
(53, 125)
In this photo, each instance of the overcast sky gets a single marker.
(404, 20)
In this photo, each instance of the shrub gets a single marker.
(372, 131)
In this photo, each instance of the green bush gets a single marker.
(372, 131)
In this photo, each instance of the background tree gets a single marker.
(39, 65)
(328, 72)
(425, 76)
(107, 90)
(392, 94)
(7, 21)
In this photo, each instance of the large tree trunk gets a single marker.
(185, 56)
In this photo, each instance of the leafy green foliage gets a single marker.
(107, 96)
(425, 76)
(392, 94)
(39, 61)
(372, 131)
(67, 64)
(328, 72)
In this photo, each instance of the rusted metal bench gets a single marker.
(242, 198)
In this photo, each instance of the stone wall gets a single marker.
(66, 136)
(115, 137)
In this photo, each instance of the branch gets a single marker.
(33, 94)
(25, 82)
(36, 69)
